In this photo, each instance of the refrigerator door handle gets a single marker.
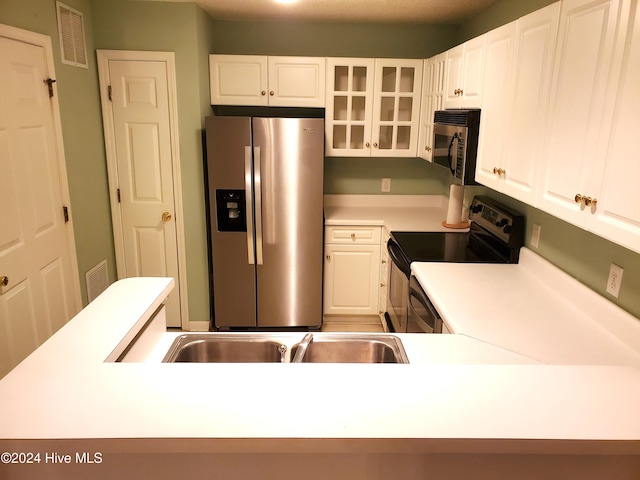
(249, 199)
(258, 199)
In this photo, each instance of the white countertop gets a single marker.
(66, 390)
(394, 212)
(531, 308)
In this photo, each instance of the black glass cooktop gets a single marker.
(442, 247)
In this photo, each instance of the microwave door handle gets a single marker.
(453, 139)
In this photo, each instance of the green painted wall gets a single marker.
(500, 13)
(81, 119)
(184, 29)
(328, 39)
(364, 175)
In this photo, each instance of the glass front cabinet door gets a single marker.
(349, 106)
(373, 107)
(396, 107)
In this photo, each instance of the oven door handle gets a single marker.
(424, 300)
(395, 252)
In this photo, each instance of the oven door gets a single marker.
(422, 317)
(398, 291)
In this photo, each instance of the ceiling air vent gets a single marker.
(71, 31)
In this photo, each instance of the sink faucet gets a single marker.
(302, 348)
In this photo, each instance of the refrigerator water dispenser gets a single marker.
(231, 210)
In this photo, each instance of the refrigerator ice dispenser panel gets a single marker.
(231, 210)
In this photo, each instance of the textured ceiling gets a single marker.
(391, 11)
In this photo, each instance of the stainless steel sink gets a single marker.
(339, 348)
(260, 348)
(225, 349)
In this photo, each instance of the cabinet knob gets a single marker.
(353, 237)
(579, 198)
(427, 148)
(263, 93)
(328, 258)
(382, 284)
(166, 216)
(272, 93)
(590, 202)
(499, 171)
(375, 145)
(4, 281)
(368, 145)
(384, 261)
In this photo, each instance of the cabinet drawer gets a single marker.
(353, 235)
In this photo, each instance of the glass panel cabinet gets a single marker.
(372, 107)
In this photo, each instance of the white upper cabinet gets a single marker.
(238, 80)
(255, 80)
(587, 67)
(497, 104)
(296, 81)
(464, 74)
(432, 100)
(517, 78)
(373, 107)
(616, 215)
(349, 109)
(396, 107)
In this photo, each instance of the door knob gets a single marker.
(4, 281)
(166, 216)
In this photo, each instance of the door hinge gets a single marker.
(65, 211)
(118, 192)
(49, 82)
(109, 93)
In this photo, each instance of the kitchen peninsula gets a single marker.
(461, 404)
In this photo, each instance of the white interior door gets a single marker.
(39, 289)
(143, 150)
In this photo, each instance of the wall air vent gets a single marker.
(71, 32)
(97, 280)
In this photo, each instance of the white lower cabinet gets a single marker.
(351, 270)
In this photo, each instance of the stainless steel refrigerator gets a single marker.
(265, 190)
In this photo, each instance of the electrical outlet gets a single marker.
(615, 280)
(535, 235)
(386, 185)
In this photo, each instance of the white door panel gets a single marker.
(143, 170)
(36, 245)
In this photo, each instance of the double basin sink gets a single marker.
(312, 348)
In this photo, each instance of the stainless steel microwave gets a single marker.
(455, 143)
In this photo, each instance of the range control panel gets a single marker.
(501, 221)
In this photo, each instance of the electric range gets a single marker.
(495, 235)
